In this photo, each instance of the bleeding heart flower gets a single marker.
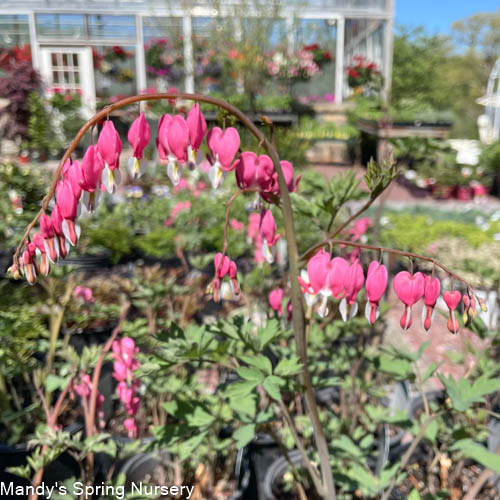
(376, 285)
(130, 427)
(353, 282)
(273, 188)
(470, 311)
(254, 171)
(431, 294)
(41, 252)
(267, 229)
(50, 240)
(452, 300)
(276, 300)
(138, 137)
(109, 146)
(172, 142)
(223, 145)
(409, 289)
(92, 172)
(224, 266)
(197, 130)
(57, 221)
(68, 208)
(29, 264)
(74, 175)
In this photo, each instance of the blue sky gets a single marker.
(438, 15)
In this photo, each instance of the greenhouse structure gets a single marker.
(106, 48)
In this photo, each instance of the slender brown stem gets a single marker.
(90, 421)
(300, 445)
(409, 453)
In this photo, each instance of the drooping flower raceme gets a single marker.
(109, 146)
(125, 364)
(410, 289)
(138, 137)
(223, 146)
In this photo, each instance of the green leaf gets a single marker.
(54, 383)
(346, 444)
(244, 434)
(400, 368)
(267, 333)
(464, 394)
(414, 495)
(430, 371)
(250, 373)
(479, 453)
(260, 362)
(199, 417)
(288, 367)
(272, 386)
(240, 389)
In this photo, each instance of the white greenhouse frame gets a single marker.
(379, 15)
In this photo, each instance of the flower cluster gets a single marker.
(164, 60)
(300, 66)
(338, 278)
(124, 367)
(362, 72)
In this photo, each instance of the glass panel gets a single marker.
(77, 77)
(52, 26)
(75, 60)
(14, 38)
(65, 59)
(315, 41)
(164, 50)
(111, 27)
(214, 43)
(54, 59)
(114, 69)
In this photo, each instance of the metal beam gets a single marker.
(339, 61)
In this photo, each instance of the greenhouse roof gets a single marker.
(347, 8)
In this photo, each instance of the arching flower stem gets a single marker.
(286, 206)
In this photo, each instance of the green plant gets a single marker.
(40, 137)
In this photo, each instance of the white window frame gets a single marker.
(86, 72)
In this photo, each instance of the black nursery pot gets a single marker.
(64, 467)
(252, 464)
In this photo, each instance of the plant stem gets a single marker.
(409, 453)
(300, 445)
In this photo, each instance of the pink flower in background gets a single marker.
(224, 266)
(360, 228)
(84, 293)
(275, 300)
(267, 229)
(124, 367)
(181, 206)
(237, 225)
(233, 54)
